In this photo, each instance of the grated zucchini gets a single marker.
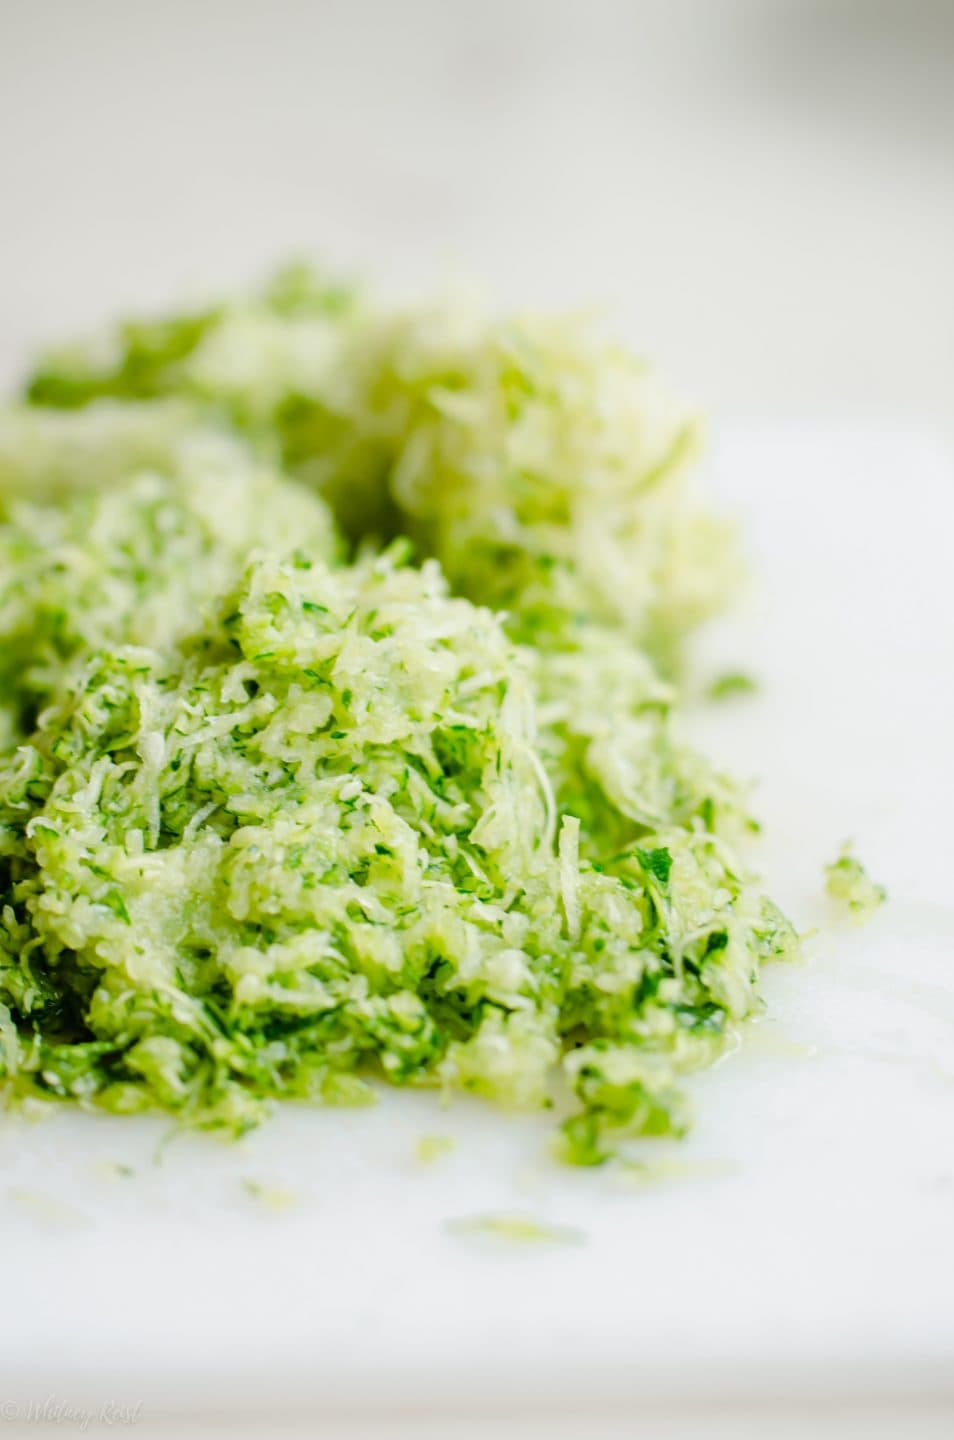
(338, 736)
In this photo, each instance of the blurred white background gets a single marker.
(762, 191)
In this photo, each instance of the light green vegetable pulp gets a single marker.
(849, 885)
(336, 741)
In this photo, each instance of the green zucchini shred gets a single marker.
(851, 888)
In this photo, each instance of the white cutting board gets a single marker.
(803, 1241)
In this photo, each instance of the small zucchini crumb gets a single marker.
(431, 1147)
(519, 1228)
(663, 1168)
(850, 886)
(116, 1170)
(731, 685)
(45, 1209)
(271, 1197)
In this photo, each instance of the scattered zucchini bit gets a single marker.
(337, 738)
(732, 685)
(655, 1170)
(516, 1228)
(46, 1209)
(116, 1170)
(850, 886)
(272, 1197)
(433, 1147)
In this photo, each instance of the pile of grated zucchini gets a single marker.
(336, 722)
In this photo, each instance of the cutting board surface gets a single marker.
(801, 1239)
